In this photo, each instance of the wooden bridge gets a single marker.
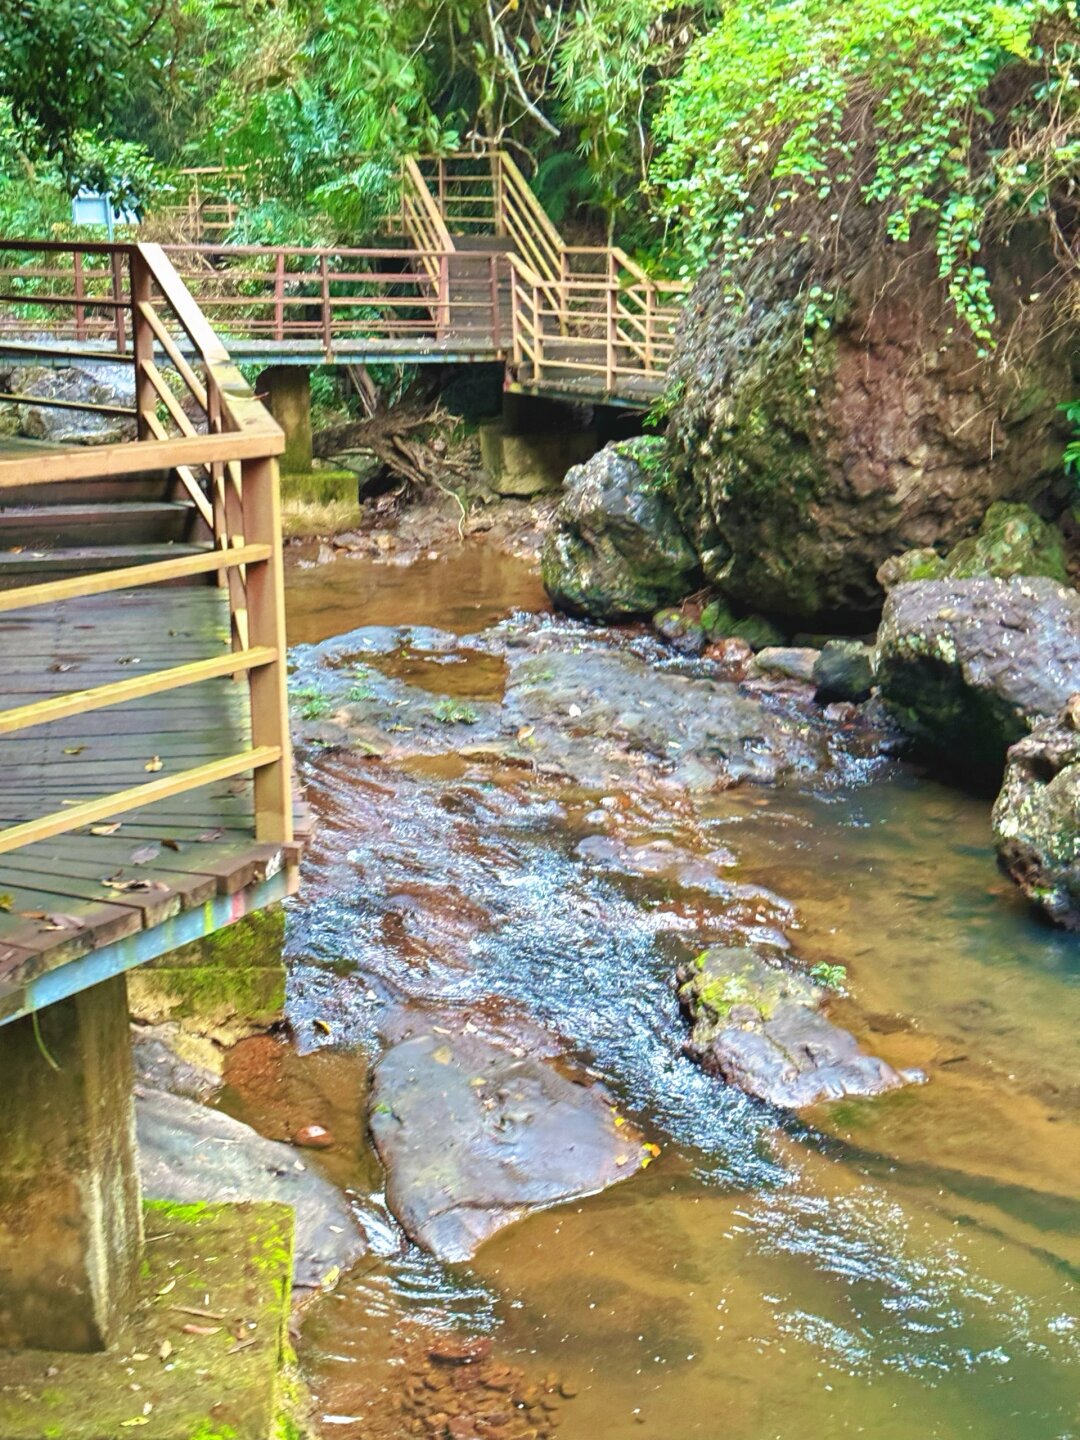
(468, 268)
(146, 798)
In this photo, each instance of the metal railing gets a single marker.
(297, 293)
(194, 417)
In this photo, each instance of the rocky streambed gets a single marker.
(612, 977)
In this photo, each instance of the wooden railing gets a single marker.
(297, 293)
(195, 417)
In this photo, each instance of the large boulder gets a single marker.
(1012, 540)
(1037, 816)
(617, 549)
(91, 383)
(804, 458)
(968, 666)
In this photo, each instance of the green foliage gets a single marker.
(454, 712)
(936, 121)
(833, 977)
(1072, 449)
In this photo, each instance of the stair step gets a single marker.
(43, 527)
(29, 567)
(117, 489)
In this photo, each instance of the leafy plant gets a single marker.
(809, 124)
(314, 703)
(454, 712)
(833, 977)
(1072, 449)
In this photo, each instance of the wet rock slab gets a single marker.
(189, 1153)
(760, 1026)
(476, 1132)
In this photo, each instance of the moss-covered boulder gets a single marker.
(617, 549)
(804, 457)
(969, 666)
(1012, 540)
(720, 623)
(1037, 816)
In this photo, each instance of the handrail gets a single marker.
(226, 436)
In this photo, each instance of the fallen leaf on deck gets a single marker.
(154, 764)
(171, 844)
(6, 901)
(211, 834)
(145, 854)
(74, 749)
(60, 921)
(109, 829)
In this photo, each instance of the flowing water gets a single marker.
(901, 1268)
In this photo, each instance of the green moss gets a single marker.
(209, 992)
(253, 941)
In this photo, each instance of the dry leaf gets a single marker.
(138, 1420)
(60, 921)
(167, 1288)
(6, 902)
(171, 844)
(74, 749)
(165, 1351)
(201, 1329)
(145, 854)
(109, 829)
(154, 764)
(211, 834)
(322, 1026)
(525, 732)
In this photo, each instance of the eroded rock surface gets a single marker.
(591, 705)
(1037, 816)
(795, 475)
(759, 1025)
(617, 549)
(968, 666)
(475, 1132)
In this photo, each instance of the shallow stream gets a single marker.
(900, 1267)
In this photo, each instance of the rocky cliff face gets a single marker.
(804, 461)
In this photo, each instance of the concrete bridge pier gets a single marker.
(71, 1237)
(286, 392)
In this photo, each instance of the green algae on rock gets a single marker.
(756, 1022)
(617, 549)
(1037, 816)
(200, 1357)
(1012, 540)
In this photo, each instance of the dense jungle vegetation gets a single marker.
(692, 131)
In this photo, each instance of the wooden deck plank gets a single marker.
(210, 852)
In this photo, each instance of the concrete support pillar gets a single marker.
(70, 1208)
(286, 390)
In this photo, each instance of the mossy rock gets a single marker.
(617, 549)
(1012, 540)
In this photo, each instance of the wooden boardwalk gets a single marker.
(107, 881)
(145, 795)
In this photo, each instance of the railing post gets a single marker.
(650, 313)
(327, 330)
(538, 334)
(142, 343)
(612, 328)
(497, 198)
(266, 626)
(279, 297)
(116, 266)
(80, 293)
(443, 324)
(496, 337)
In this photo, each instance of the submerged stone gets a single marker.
(968, 666)
(476, 1132)
(617, 549)
(758, 1024)
(1037, 816)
